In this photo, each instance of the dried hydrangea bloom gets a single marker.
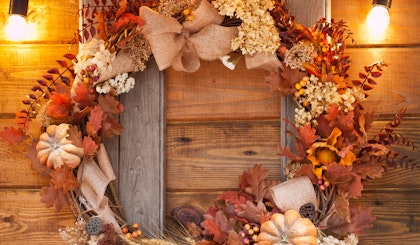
(299, 54)
(257, 33)
(95, 54)
(316, 97)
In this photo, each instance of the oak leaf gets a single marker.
(90, 146)
(95, 121)
(253, 213)
(12, 135)
(109, 104)
(213, 226)
(51, 196)
(59, 106)
(64, 178)
(83, 97)
(360, 220)
(75, 136)
(347, 182)
(257, 182)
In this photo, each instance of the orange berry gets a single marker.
(124, 230)
(134, 235)
(189, 17)
(186, 11)
(128, 235)
(135, 226)
(139, 232)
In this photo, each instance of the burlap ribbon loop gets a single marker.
(171, 46)
(94, 179)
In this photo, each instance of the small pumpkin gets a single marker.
(55, 150)
(289, 228)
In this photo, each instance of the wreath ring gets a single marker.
(65, 136)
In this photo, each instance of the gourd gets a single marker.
(55, 150)
(289, 228)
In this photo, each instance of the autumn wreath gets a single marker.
(72, 109)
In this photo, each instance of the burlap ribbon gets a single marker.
(268, 62)
(94, 179)
(294, 193)
(182, 46)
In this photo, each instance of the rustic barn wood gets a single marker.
(196, 104)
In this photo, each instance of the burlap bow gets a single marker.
(94, 179)
(182, 46)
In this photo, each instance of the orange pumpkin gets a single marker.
(55, 150)
(289, 228)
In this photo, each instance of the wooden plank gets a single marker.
(216, 93)
(397, 88)
(141, 162)
(403, 29)
(210, 155)
(25, 219)
(54, 21)
(16, 170)
(308, 12)
(21, 65)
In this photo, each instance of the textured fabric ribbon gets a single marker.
(268, 62)
(182, 46)
(94, 179)
(294, 193)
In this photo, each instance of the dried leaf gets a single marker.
(64, 178)
(12, 135)
(253, 213)
(90, 146)
(51, 196)
(83, 97)
(257, 182)
(48, 77)
(53, 71)
(62, 63)
(59, 106)
(94, 123)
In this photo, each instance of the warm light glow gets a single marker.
(17, 29)
(377, 20)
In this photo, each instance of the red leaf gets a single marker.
(62, 63)
(348, 183)
(51, 196)
(65, 80)
(36, 88)
(70, 56)
(212, 225)
(60, 105)
(53, 71)
(367, 87)
(26, 102)
(49, 77)
(12, 135)
(94, 123)
(42, 82)
(90, 146)
(360, 220)
(371, 81)
(83, 97)
(64, 178)
(376, 74)
(122, 8)
(257, 181)
(362, 75)
(307, 135)
(109, 104)
(75, 136)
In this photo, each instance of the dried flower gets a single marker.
(298, 54)
(257, 24)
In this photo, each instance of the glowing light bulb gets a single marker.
(17, 28)
(377, 20)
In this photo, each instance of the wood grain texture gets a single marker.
(141, 150)
(54, 21)
(403, 29)
(308, 12)
(21, 65)
(397, 88)
(216, 93)
(211, 155)
(24, 219)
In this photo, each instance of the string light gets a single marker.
(17, 28)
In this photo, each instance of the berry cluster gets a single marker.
(132, 231)
(249, 233)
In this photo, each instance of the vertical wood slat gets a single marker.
(307, 13)
(141, 151)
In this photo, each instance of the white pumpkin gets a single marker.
(55, 150)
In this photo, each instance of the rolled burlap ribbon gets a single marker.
(182, 46)
(294, 193)
(268, 62)
(94, 179)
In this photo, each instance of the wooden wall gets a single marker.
(23, 217)
(217, 125)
